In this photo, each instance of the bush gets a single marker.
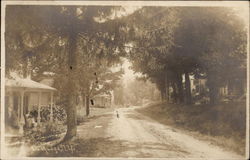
(44, 132)
(58, 114)
(51, 128)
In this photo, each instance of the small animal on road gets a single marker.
(117, 114)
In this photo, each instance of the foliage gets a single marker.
(170, 42)
(53, 38)
(47, 131)
(59, 113)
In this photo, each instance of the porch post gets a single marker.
(18, 108)
(39, 108)
(51, 106)
(21, 124)
(11, 105)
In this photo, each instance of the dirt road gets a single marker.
(132, 135)
(143, 137)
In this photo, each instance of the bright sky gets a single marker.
(128, 73)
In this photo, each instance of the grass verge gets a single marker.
(223, 124)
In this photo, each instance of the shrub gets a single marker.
(44, 132)
(58, 113)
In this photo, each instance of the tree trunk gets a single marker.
(163, 90)
(83, 100)
(213, 94)
(167, 87)
(213, 89)
(25, 70)
(161, 95)
(71, 116)
(87, 105)
(25, 66)
(179, 87)
(188, 89)
(174, 96)
(71, 89)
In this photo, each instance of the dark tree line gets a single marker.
(170, 44)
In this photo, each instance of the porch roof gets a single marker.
(26, 83)
(102, 95)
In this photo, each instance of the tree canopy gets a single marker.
(170, 42)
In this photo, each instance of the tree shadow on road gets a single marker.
(93, 117)
(135, 117)
(107, 147)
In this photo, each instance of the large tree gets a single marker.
(152, 42)
(171, 42)
(212, 43)
(59, 30)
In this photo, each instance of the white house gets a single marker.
(23, 95)
(103, 100)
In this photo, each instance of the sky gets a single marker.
(129, 74)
